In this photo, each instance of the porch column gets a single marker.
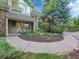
(35, 25)
(22, 24)
(6, 26)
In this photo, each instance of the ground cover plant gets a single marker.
(42, 35)
(2, 34)
(42, 32)
(6, 51)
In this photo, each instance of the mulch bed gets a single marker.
(41, 38)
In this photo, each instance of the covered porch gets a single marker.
(16, 23)
(16, 26)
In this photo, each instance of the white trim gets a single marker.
(34, 26)
(37, 22)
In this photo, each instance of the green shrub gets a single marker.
(6, 51)
(57, 29)
(45, 26)
(2, 34)
(41, 32)
(72, 28)
(27, 32)
(37, 32)
(53, 28)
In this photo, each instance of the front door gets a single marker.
(11, 26)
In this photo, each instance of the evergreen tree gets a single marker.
(57, 11)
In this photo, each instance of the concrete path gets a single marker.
(61, 47)
(76, 36)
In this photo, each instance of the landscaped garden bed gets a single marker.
(44, 38)
(41, 35)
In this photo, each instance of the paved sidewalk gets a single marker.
(61, 47)
(76, 36)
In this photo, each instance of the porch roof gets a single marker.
(19, 16)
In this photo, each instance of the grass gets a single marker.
(41, 56)
(9, 52)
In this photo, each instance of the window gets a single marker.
(24, 8)
(21, 7)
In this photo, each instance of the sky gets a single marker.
(39, 6)
(74, 5)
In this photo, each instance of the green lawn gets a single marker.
(9, 52)
(40, 56)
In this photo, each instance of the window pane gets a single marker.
(22, 8)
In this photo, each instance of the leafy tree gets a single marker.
(56, 12)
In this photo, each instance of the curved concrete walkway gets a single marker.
(61, 47)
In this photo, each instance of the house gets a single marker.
(15, 19)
